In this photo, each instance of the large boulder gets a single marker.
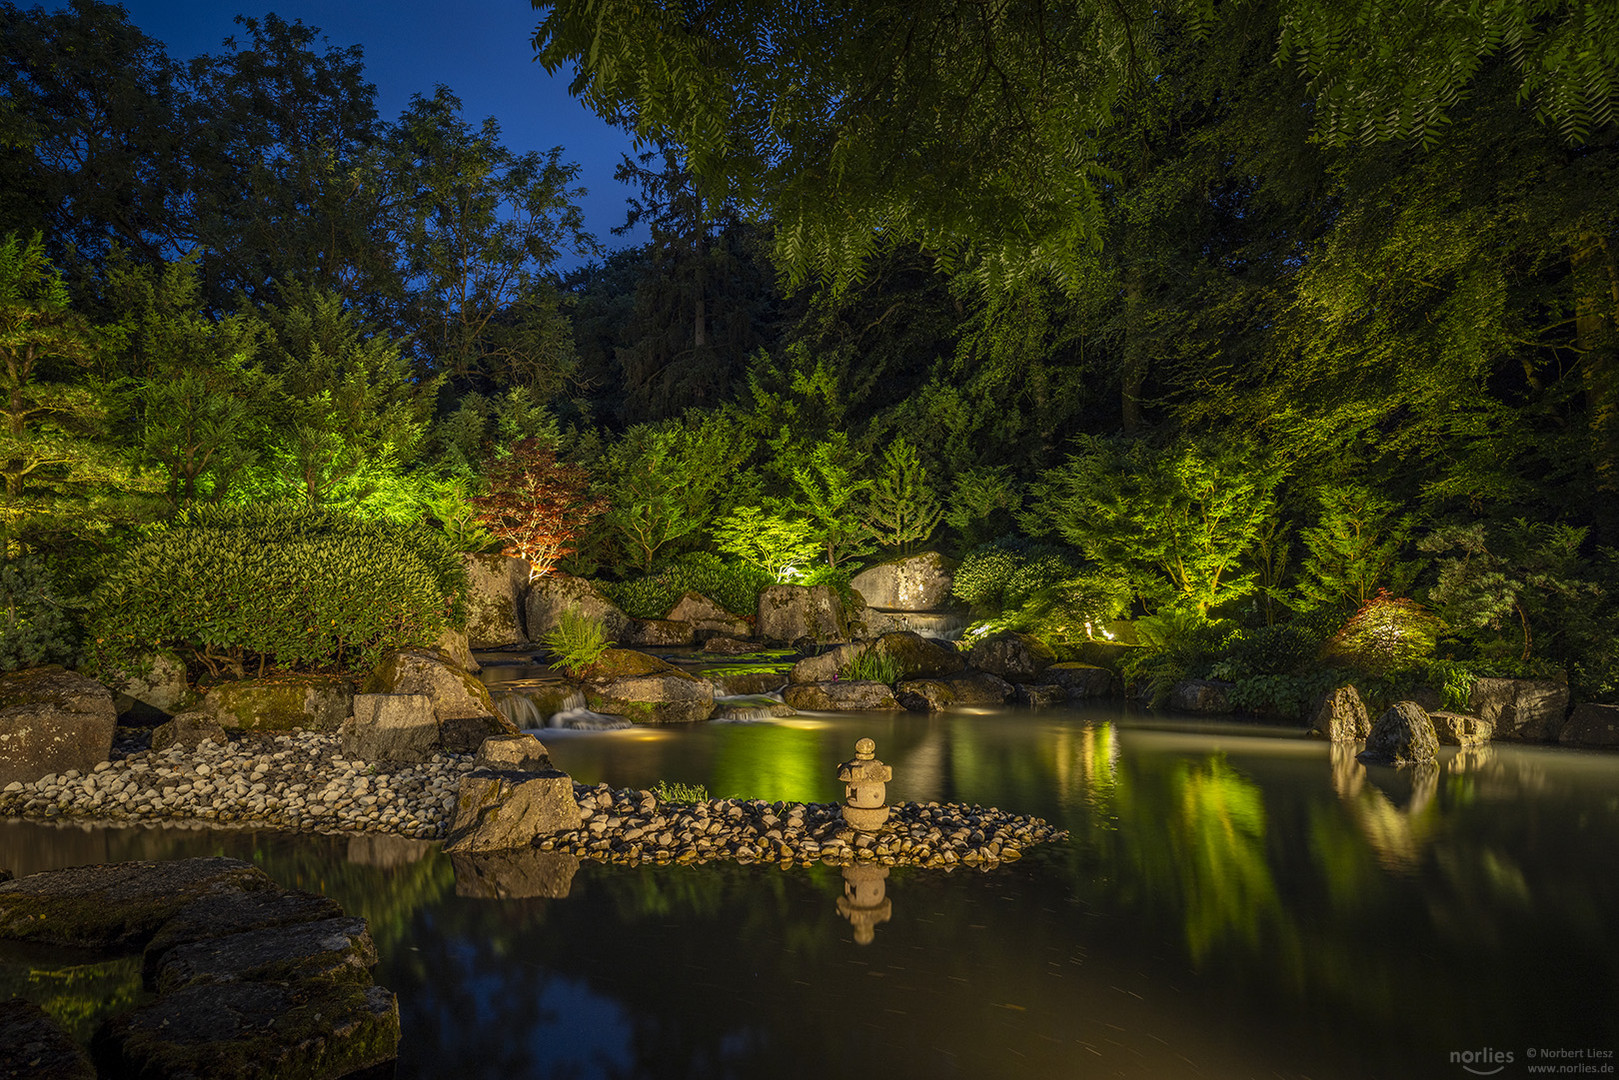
(1201, 696)
(1340, 715)
(188, 731)
(1528, 709)
(391, 727)
(453, 643)
(919, 657)
(514, 874)
(1402, 736)
(497, 809)
(972, 687)
(1080, 680)
(1459, 729)
(551, 595)
(157, 681)
(826, 666)
(658, 634)
(34, 1047)
(465, 713)
(791, 612)
(495, 587)
(52, 720)
(707, 618)
(925, 695)
(116, 905)
(914, 583)
(664, 697)
(227, 914)
(1591, 724)
(1014, 657)
(281, 703)
(842, 696)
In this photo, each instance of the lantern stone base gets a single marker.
(865, 818)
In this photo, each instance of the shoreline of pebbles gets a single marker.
(302, 781)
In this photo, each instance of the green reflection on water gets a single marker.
(766, 761)
(78, 996)
(1219, 845)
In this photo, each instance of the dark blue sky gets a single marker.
(480, 49)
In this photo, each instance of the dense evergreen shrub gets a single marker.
(985, 572)
(37, 622)
(279, 585)
(733, 586)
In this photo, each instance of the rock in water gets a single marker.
(1529, 709)
(1080, 680)
(1201, 696)
(1341, 716)
(496, 809)
(1014, 657)
(663, 697)
(34, 1047)
(979, 688)
(116, 904)
(52, 720)
(1459, 729)
(1402, 736)
(1592, 725)
(331, 950)
(841, 696)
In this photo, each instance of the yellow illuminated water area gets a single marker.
(1233, 901)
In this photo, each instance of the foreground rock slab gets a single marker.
(34, 1047)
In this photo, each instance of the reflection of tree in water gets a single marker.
(78, 994)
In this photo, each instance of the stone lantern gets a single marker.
(864, 792)
(865, 900)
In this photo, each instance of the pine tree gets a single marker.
(902, 511)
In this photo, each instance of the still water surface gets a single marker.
(1232, 902)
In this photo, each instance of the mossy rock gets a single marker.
(627, 664)
(670, 697)
(116, 905)
(282, 703)
(919, 657)
(34, 1045)
(310, 1030)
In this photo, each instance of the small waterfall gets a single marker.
(749, 708)
(531, 711)
(582, 719)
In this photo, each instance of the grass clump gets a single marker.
(577, 641)
(665, 791)
(873, 666)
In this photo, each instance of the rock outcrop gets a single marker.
(1402, 736)
(707, 618)
(658, 634)
(551, 595)
(1080, 680)
(462, 707)
(157, 681)
(791, 612)
(1591, 724)
(1528, 709)
(281, 703)
(52, 720)
(1459, 729)
(914, 583)
(1014, 657)
(495, 588)
(980, 688)
(391, 727)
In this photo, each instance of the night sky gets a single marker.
(480, 49)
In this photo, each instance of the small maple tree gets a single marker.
(537, 506)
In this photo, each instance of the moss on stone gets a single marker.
(293, 702)
(628, 664)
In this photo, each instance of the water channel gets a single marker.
(1233, 901)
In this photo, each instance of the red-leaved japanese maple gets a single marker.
(537, 506)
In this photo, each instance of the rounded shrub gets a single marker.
(278, 585)
(733, 586)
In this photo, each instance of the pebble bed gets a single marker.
(302, 781)
(628, 826)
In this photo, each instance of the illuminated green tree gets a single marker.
(902, 510)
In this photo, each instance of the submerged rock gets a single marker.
(331, 950)
(229, 914)
(52, 720)
(1403, 735)
(1042, 695)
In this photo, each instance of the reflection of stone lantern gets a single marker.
(865, 900)
(864, 793)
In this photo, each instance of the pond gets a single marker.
(1232, 901)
